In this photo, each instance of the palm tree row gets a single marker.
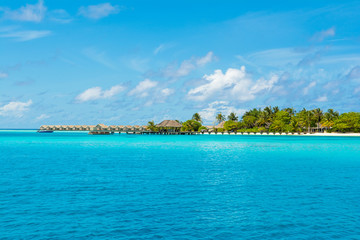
(274, 119)
(289, 120)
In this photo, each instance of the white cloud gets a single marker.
(208, 114)
(234, 83)
(322, 99)
(167, 92)
(206, 59)
(308, 87)
(3, 75)
(112, 91)
(28, 13)
(142, 88)
(162, 47)
(159, 49)
(99, 11)
(15, 109)
(95, 93)
(320, 36)
(23, 36)
(188, 65)
(60, 16)
(185, 68)
(158, 96)
(42, 117)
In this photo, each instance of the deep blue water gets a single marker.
(76, 186)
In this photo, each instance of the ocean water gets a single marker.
(76, 186)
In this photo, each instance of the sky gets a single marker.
(129, 62)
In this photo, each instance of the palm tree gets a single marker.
(329, 117)
(232, 117)
(318, 115)
(264, 119)
(309, 116)
(334, 114)
(197, 117)
(151, 126)
(220, 118)
(276, 109)
(291, 111)
(268, 110)
(305, 118)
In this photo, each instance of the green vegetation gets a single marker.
(347, 122)
(202, 128)
(190, 126)
(274, 119)
(152, 127)
(197, 117)
(232, 117)
(288, 120)
(220, 118)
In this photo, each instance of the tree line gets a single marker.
(274, 119)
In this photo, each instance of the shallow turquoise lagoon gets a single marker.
(76, 186)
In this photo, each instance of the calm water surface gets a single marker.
(76, 186)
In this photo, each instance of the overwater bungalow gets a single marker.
(169, 126)
(100, 129)
(113, 128)
(44, 127)
(143, 128)
(69, 128)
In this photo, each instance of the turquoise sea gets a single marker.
(76, 186)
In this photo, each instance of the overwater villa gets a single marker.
(169, 127)
(165, 127)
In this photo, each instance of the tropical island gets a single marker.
(257, 120)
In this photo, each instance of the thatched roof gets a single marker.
(169, 123)
(220, 125)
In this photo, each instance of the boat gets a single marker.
(45, 131)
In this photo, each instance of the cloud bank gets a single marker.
(27, 13)
(98, 11)
(15, 109)
(188, 66)
(96, 93)
(143, 87)
(234, 82)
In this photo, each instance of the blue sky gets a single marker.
(128, 62)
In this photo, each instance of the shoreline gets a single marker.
(295, 134)
(212, 134)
